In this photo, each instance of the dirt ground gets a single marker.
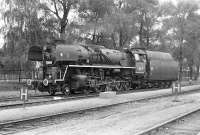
(121, 120)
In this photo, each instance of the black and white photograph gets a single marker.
(99, 67)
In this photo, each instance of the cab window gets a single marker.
(137, 58)
(140, 57)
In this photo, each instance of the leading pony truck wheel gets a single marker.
(66, 90)
(51, 90)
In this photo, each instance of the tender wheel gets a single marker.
(66, 90)
(52, 91)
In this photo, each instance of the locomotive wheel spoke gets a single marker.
(126, 86)
(123, 86)
(118, 86)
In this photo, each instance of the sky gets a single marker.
(1, 24)
(173, 1)
(2, 21)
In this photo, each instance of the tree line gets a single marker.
(112, 23)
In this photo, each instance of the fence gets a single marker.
(186, 75)
(15, 75)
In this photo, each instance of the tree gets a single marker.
(60, 9)
(92, 14)
(23, 28)
(146, 12)
(182, 23)
(121, 28)
(108, 22)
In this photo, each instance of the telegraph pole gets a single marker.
(177, 85)
(180, 58)
(180, 62)
(182, 19)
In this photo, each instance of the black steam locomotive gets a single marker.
(86, 68)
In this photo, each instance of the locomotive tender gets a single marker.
(86, 68)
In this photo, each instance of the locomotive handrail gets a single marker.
(104, 66)
(63, 75)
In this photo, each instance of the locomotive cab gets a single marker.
(140, 62)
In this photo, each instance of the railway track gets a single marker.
(156, 129)
(42, 100)
(15, 98)
(47, 99)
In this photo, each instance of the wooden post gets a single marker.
(24, 95)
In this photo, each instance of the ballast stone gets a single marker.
(107, 94)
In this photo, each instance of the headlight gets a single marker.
(45, 82)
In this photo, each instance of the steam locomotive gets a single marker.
(90, 68)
